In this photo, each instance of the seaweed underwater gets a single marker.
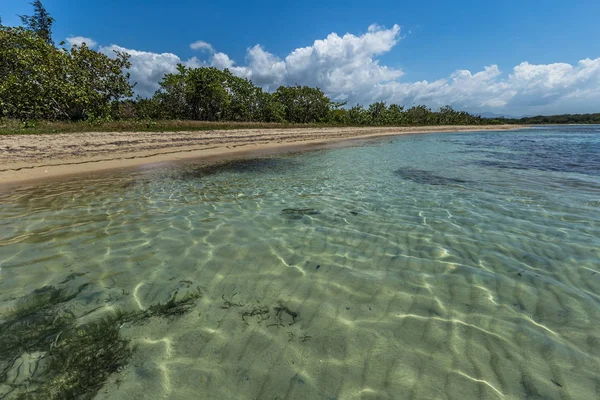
(45, 353)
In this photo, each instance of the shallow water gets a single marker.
(460, 266)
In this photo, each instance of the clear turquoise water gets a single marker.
(460, 266)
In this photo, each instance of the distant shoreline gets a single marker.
(37, 158)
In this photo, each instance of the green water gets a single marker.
(450, 266)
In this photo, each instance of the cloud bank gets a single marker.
(347, 68)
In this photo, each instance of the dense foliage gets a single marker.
(210, 94)
(303, 104)
(39, 81)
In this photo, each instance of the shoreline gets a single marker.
(29, 159)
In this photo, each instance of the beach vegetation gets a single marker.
(303, 104)
(46, 88)
(209, 94)
(40, 81)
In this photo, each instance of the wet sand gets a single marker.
(26, 158)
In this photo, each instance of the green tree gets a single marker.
(396, 114)
(378, 113)
(149, 109)
(39, 81)
(338, 114)
(418, 115)
(171, 96)
(357, 115)
(197, 94)
(303, 104)
(210, 94)
(40, 22)
(206, 94)
(269, 109)
(93, 80)
(243, 98)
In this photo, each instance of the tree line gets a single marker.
(210, 94)
(40, 81)
(557, 119)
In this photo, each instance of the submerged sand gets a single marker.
(38, 157)
(324, 276)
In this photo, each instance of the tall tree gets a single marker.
(378, 111)
(40, 22)
(38, 81)
(303, 104)
(206, 94)
(171, 97)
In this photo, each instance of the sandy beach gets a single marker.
(26, 158)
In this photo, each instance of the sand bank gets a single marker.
(25, 158)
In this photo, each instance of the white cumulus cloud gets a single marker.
(347, 68)
(79, 40)
(343, 66)
(147, 68)
(201, 45)
(528, 89)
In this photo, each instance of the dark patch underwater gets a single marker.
(244, 166)
(572, 153)
(425, 177)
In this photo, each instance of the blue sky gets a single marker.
(433, 41)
